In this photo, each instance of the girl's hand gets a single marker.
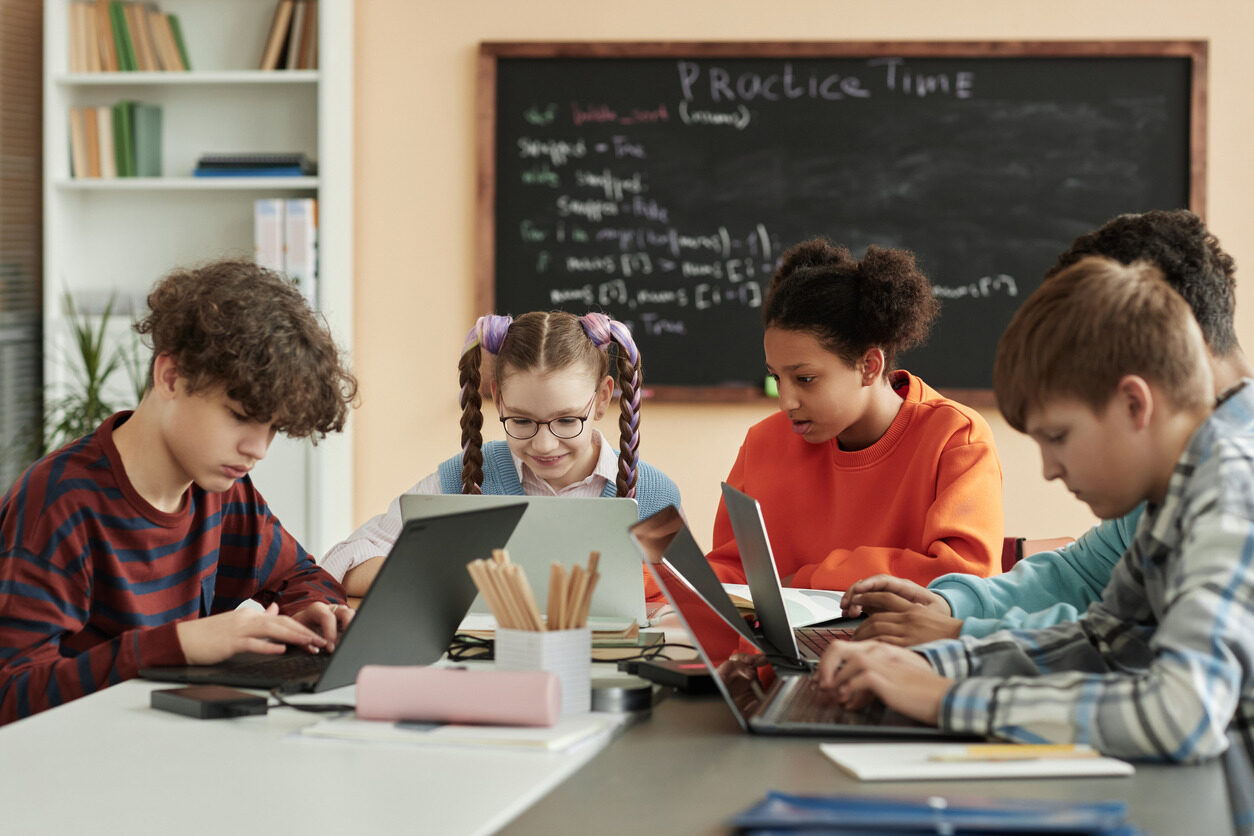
(880, 593)
(856, 672)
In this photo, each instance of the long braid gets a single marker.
(602, 330)
(487, 333)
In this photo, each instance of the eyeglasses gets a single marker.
(565, 427)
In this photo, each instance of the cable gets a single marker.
(313, 707)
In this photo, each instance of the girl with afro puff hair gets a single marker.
(864, 469)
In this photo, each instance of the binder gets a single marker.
(300, 246)
(848, 814)
(268, 233)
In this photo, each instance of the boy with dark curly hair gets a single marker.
(133, 546)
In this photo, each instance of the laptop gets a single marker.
(754, 546)
(408, 616)
(565, 530)
(780, 697)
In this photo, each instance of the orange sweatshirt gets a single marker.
(922, 501)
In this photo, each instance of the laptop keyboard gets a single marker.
(812, 641)
(801, 701)
(263, 671)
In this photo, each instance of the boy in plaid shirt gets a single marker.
(1104, 367)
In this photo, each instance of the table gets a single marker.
(109, 764)
(690, 768)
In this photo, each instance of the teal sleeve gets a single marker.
(1041, 590)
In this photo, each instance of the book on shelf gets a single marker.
(292, 40)
(105, 43)
(108, 155)
(268, 233)
(255, 165)
(113, 36)
(124, 138)
(92, 133)
(294, 36)
(285, 239)
(119, 140)
(147, 140)
(300, 245)
(78, 143)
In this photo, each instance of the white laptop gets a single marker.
(564, 530)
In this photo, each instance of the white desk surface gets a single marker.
(109, 764)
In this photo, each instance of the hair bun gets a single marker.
(488, 331)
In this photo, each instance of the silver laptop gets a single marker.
(778, 697)
(407, 617)
(564, 530)
(764, 587)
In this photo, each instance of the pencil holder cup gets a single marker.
(566, 653)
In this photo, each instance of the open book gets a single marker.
(804, 606)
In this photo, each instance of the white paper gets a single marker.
(804, 606)
(912, 762)
(562, 735)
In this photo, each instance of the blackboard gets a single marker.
(660, 182)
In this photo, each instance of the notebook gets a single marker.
(407, 617)
(781, 697)
(934, 762)
(768, 599)
(562, 529)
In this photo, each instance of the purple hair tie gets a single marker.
(602, 331)
(489, 331)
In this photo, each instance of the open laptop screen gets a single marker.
(725, 652)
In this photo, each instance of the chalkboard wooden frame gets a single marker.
(490, 52)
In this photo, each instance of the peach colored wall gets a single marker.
(416, 184)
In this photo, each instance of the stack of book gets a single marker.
(119, 141)
(285, 239)
(292, 43)
(115, 36)
(255, 165)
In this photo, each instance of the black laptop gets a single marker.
(408, 616)
(749, 529)
(770, 630)
(779, 697)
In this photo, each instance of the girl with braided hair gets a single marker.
(551, 377)
(864, 469)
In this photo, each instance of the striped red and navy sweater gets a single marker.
(93, 577)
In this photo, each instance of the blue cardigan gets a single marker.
(654, 489)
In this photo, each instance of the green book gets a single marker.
(124, 137)
(120, 159)
(122, 36)
(178, 41)
(147, 140)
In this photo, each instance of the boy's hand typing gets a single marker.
(879, 593)
(328, 620)
(855, 672)
(207, 641)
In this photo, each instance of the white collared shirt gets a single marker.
(376, 536)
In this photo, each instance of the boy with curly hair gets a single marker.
(132, 547)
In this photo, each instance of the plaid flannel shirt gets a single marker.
(1162, 667)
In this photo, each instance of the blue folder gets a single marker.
(782, 813)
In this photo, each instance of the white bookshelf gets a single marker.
(119, 236)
